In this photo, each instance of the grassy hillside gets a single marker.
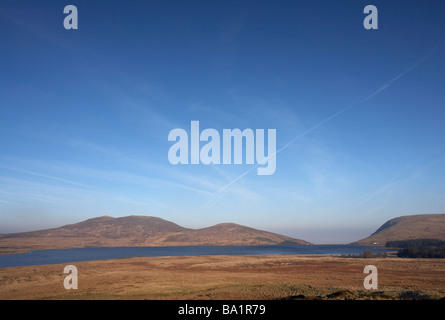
(421, 226)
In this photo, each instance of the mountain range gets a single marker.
(153, 231)
(138, 231)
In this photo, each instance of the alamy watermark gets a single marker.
(370, 281)
(210, 152)
(71, 20)
(70, 281)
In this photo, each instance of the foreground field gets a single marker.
(230, 277)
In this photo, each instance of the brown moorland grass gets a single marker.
(229, 277)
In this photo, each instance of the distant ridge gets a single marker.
(135, 231)
(420, 226)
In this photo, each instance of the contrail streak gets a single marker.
(220, 192)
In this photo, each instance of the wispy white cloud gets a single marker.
(218, 195)
(144, 115)
(37, 174)
(77, 172)
(6, 201)
(380, 190)
(401, 178)
(386, 85)
(24, 191)
(96, 148)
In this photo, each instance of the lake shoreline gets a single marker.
(56, 256)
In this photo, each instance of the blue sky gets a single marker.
(85, 114)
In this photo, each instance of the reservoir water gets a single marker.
(55, 256)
